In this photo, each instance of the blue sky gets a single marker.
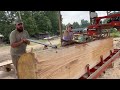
(76, 16)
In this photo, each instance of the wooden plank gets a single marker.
(68, 63)
(5, 63)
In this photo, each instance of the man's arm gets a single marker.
(13, 42)
(16, 44)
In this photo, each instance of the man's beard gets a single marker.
(20, 29)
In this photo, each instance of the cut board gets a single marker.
(5, 63)
(65, 62)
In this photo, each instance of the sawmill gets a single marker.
(87, 59)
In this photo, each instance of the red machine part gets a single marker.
(91, 32)
(92, 29)
(97, 70)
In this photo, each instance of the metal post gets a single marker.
(60, 26)
(101, 60)
(108, 12)
(90, 17)
(88, 69)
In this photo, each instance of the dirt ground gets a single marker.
(110, 73)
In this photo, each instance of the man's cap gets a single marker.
(18, 21)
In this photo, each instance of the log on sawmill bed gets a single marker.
(68, 63)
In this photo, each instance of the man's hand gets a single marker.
(22, 40)
(25, 41)
(16, 44)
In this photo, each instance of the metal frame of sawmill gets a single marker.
(97, 70)
(100, 68)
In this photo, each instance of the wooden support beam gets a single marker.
(60, 26)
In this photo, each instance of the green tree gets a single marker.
(35, 22)
(63, 26)
(6, 23)
(53, 16)
(29, 22)
(43, 23)
(76, 25)
(84, 23)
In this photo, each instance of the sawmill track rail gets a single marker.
(96, 71)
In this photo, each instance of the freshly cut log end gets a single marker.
(68, 63)
(26, 66)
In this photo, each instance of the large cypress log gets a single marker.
(67, 63)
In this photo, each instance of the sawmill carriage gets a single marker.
(100, 30)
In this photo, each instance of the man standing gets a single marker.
(18, 42)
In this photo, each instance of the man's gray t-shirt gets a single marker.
(16, 36)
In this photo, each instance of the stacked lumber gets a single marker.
(67, 63)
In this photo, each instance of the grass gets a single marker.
(115, 34)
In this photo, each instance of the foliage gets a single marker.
(84, 23)
(76, 25)
(35, 22)
(114, 32)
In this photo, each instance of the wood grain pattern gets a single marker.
(68, 63)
